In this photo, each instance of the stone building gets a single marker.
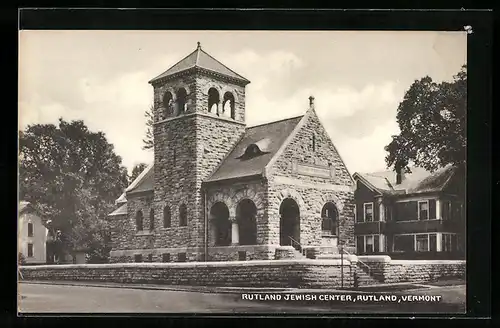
(219, 190)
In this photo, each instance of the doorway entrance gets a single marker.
(289, 223)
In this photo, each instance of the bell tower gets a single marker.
(199, 115)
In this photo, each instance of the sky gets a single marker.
(358, 78)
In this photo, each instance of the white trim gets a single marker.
(415, 198)
(428, 209)
(355, 213)
(364, 212)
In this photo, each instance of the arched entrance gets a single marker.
(246, 212)
(289, 222)
(219, 214)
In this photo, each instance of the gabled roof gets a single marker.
(418, 181)
(122, 199)
(200, 59)
(266, 139)
(122, 210)
(144, 182)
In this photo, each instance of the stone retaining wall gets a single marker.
(387, 270)
(282, 274)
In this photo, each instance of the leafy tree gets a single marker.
(149, 138)
(432, 121)
(74, 176)
(138, 168)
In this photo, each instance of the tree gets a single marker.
(74, 176)
(149, 138)
(432, 121)
(138, 168)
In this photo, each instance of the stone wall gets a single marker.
(282, 274)
(392, 271)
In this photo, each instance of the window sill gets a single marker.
(144, 233)
(326, 235)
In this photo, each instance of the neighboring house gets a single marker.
(413, 215)
(32, 234)
(220, 190)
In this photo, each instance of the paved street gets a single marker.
(46, 298)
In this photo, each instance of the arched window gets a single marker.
(166, 217)
(213, 100)
(329, 218)
(181, 101)
(168, 107)
(246, 213)
(222, 226)
(138, 220)
(152, 219)
(228, 105)
(182, 215)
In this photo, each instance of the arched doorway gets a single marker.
(219, 214)
(246, 212)
(289, 222)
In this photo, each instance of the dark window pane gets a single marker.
(242, 256)
(30, 250)
(166, 257)
(181, 257)
(432, 242)
(403, 243)
(360, 244)
(376, 244)
(30, 229)
(138, 258)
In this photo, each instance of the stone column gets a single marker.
(235, 237)
(438, 209)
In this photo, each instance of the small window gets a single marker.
(313, 142)
(166, 257)
(182, 215)
(30, 250)
(368, 212)
(242, 256)
(422, 243)
(329, 216)
(369, 244)
(137, 258)
(30, 229)
(150, 257)
(166, 217)
(152, 219)
(423, 210)
(181, 257)
(139, 221)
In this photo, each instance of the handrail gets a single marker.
(302, 250)
(359, 261)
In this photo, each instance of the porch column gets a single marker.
(235, 237)
(381, 243)
(381, 211)
(439, 239)
(438, 209)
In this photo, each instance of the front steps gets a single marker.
(288, 253)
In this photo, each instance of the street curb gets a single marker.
(227, 290)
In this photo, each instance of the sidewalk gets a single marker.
(375, 289)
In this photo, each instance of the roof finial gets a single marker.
(311, 101)
(199, 45)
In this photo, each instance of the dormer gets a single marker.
(256, 149)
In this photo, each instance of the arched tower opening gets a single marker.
(213, 101)
(229, 105)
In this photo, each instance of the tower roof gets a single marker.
(199, 58)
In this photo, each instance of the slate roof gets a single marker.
(122, 210)
(144, 182)
(266, 138)
(418, 181)
(199, 58)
